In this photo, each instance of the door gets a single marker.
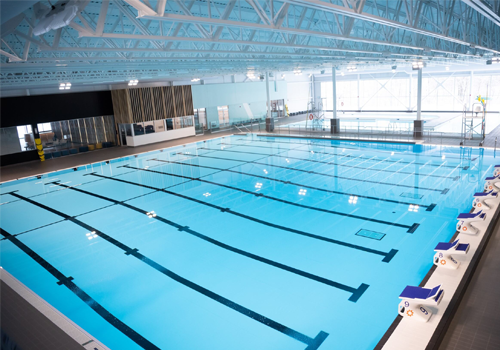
(223, 116)
(123, 134)
(200, 120)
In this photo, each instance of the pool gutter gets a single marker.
(326, 138)
(28, 320)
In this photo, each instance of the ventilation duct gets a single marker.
(60, 15)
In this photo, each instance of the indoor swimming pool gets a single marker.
(242, 242)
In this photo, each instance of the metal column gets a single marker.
(418, 125)
(269, 120)
(334, 122)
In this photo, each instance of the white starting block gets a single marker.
(465, 221)
(444, 252)
(496, 172)
(413, 299)
(492, 183)
(481, 198)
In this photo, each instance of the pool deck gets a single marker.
(36, 167)
(410, 333)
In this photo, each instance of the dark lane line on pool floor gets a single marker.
(387, 256)
(444, 191)
(260, 194)
(313, 343)
(429, 207)
(220, 244)
(87, 299)
(454, 178)
(356, 149)
(385, 160)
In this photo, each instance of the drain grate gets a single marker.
(370, 234)
(411, 195)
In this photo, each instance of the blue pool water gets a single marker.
(254, 243)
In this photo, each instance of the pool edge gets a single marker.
(445, 321)
(58, 319)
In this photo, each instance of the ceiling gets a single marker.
(111, 42)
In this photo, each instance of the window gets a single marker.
(44, 127)
(223, 115)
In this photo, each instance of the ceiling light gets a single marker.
(64, 86)
(494, 60)
(417, 65)
(342, 73)
(352, 68)
(133, 82)
(297, 72)
(447, 68)
(195, 79)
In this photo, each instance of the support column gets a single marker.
(418, 125)
(470, 90)
(409, 92)
(334, 122)
(359, 102)
(269, 120)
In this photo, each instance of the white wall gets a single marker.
(147, 139)
(298, 95)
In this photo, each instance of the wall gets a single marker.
(50, 108)
(31, 110)
(298, 96)
(236, 95)
(151, 103)
(9, 141)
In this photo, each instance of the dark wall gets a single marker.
(26, 110)
(21, 157)
(50, 108)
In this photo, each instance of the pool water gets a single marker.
(241, 242)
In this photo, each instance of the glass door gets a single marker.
(200, 120)
(223, 116)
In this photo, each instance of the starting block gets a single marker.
(492, 183)
(480, 199)
(414, 299)
(466, 220)
(496, 172)
(444, 252)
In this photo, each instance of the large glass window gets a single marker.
(16, 139)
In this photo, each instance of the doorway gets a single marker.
(278, 109)
(223, 116)
(200, 120)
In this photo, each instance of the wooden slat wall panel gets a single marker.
(121, 106)
(169, 102)
(154, 103)
(188, 100)
(147, 104)
(158, 103)
(179, 103)
(135, 101)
